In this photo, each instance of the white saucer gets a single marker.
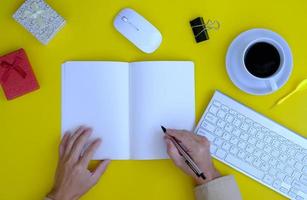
(236, 70)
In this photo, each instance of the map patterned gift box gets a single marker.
(39, 19)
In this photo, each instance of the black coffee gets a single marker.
(262, 59)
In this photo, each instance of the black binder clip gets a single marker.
(200, 28)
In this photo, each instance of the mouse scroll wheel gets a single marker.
(125, 19)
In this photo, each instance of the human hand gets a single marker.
(198, 147)
(72, 178)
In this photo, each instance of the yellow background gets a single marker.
(30, 125)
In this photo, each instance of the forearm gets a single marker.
(223, 188)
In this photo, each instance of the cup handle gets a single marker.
(273, 84)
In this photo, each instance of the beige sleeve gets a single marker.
(223, 188)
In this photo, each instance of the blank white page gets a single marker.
(162, 93)
(96, 94)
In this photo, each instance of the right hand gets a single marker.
(198, 147)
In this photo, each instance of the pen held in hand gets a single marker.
(188, 159)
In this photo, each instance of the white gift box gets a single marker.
(39, 19)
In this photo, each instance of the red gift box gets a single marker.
(16, 74)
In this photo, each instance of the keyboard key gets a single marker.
(303, 179)
(237, 122)
(268, 179)
(257, 153)
(220, 153)
(296, 174)
(241, 154)
(252, 131)
(242, 144)
(221, 114)
(213, 109)
(260, 144)
(299, 198)
(236, 132)
(294, 190)
(267, 149)
(283, 148)
(291, 162)
(250, 149)
(277, 184)
(300, 186)
(221, 123)
(283, 157)
(229, 128)
(288, 180)
(252, 140)
(281, 166)
(273, 161)
(208, 127)
(233, 112)
(284, 190)
(305, 160)
(208, 135)
(244, 166)
(234, 150)
(225, 108)
(250, 158)
(241, 117)
(264, 166)
(281, 175)
(275, 153)
(288, 170)
(234, 140)
(226, 146)
(266, 157)
(249, 121)
(218, 142)
(257, 162)
(276, 143)
(211, 118)
(245, 126)
(260, 135)
(299, 156)
(257, 126)
(227, 136)
(219, 132)
(213, 148)
(229, 118)
(273, 171)
(292, 152)
(268, 139)
(244, 136)
(216, 103)
(292, 194)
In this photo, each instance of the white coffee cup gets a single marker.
(271, 80)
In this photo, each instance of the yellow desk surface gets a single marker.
(30, 125)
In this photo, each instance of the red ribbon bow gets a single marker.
(9, 67)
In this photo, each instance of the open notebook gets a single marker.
(126, 103)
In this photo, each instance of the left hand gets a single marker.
(73, 179)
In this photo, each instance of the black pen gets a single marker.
(188, 159)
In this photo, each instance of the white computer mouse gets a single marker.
(138, 30)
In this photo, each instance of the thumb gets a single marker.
(98, 172)
(173, 152)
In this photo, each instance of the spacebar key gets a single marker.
(244, 166)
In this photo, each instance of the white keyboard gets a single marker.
(256, 146)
